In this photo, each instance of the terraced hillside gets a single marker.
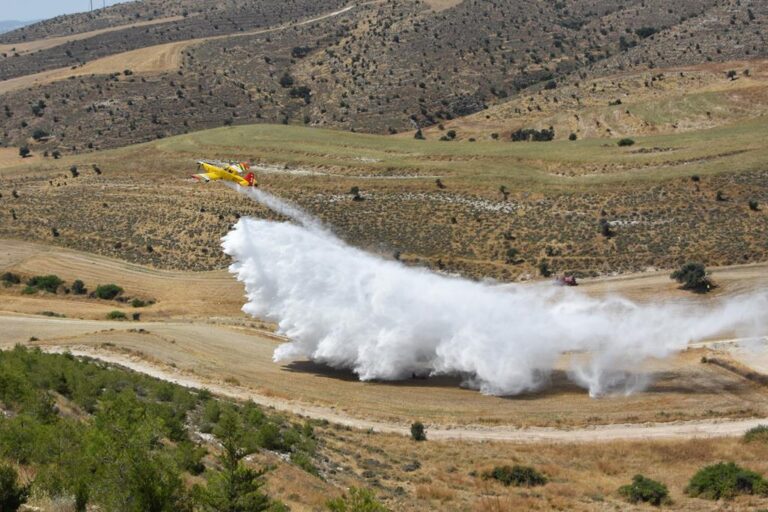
(153, 69)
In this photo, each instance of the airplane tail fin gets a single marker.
(251, 179)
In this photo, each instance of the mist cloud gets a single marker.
(350, 309)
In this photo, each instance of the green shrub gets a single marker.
(626, 142)
(645, 490)
(757, 434)
(418, 432)
(138, 303)
(12, 496)
(357, 500)
(39, 134)
(304, 461)
(725, 480)
(10, 278)
(48, 283)
(693, 276)
(108, 291)
(78, 287)
(116, 315)
(519, 476)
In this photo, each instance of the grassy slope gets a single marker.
(528, 165)
(558, 193)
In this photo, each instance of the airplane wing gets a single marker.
(206, 176)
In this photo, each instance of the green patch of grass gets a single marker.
(704, 152)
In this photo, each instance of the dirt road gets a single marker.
(677, 430)
(236, 362)
(196, 333)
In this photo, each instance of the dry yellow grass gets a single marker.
(153, 59)
(659, 101)
(9, 157)
(582, 477)
(441, 5)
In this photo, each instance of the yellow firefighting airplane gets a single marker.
(215, 170)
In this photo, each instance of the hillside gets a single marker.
(153, 69)
(496, 208)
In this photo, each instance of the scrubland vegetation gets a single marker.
(101, 436)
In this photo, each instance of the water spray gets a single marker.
(349, 309)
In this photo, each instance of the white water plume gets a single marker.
(350, 309)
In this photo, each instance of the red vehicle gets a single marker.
(566, 281)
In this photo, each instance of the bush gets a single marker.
(572, 137)
(645, 490)
(519, 476)
(11, 495)
(24, 152)
(757, 434)
(108, 291)
(626, 142)
(10, 278)
(48, 283)
(138, 303)
(358, 500)
(725, 480)
(645, 32)
(418, 432)
(754, 206)
(40, 134)
(533, 135)
(302, 92)
(78, 287)
(116, 315)
(693, 276)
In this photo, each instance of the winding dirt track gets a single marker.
(84, 338)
